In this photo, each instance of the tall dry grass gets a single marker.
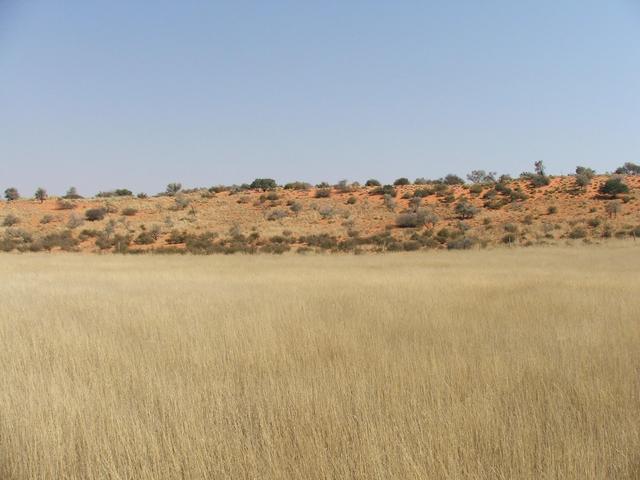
(521, 364)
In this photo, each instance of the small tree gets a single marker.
(40, 195)
(173, 188)
(402, 181)
(586, 171)
(264, 184)
(612, 209)
(372, 182)
(95, 214)
(613, 186)
(582, 180)
(465, 210)
(480, 176)
(452, 179)
(629, 168)
(72, 194)
(539, 168)
(11, 194)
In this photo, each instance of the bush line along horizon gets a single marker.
(262, 216)
(539, 178)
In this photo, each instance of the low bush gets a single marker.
(295, 207)
(63, 240)
(452, 179)
(462, 243)
(384, 190)
(74, 221)
(577, 232)
(95, 214)
(264, 184)
(465, 210)
(10, 220)
(129, 211)
(297, 186)
(614, 186)
(277, 214)
(323, 193)
(269, 196)
(65, 205)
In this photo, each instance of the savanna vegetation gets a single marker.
(495, 364)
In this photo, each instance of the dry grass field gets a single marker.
(491, 364)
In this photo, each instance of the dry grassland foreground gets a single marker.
(489, 364)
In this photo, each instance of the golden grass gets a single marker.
(506, 364)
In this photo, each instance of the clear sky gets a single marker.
(138, 93)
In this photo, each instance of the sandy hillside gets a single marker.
(352, 219)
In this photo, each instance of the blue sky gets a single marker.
(114, 93)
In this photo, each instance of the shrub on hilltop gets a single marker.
(264, 184)
(614, 186)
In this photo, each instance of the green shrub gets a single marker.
(614, 186)
(423, 192)
(462, 243)
(269, 196)
(146, 238)
(372, 182)
(465, 210)
(343, 187)
(408, 220)
(173, 188)
(11, 194)
(176, 237)
(295, 207)
(401, 181)
(201, 244)
(95, 214)
(480, 176)
(323, 193)
(582, 180)
(297, 186)
(63, 240)
(384, 190)
(351, 200)
(476, 189)
(72, 194)
(40, 195)
(264, 184)
(629, 168)
(452, 179)
(552, 210)
(538, 180)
